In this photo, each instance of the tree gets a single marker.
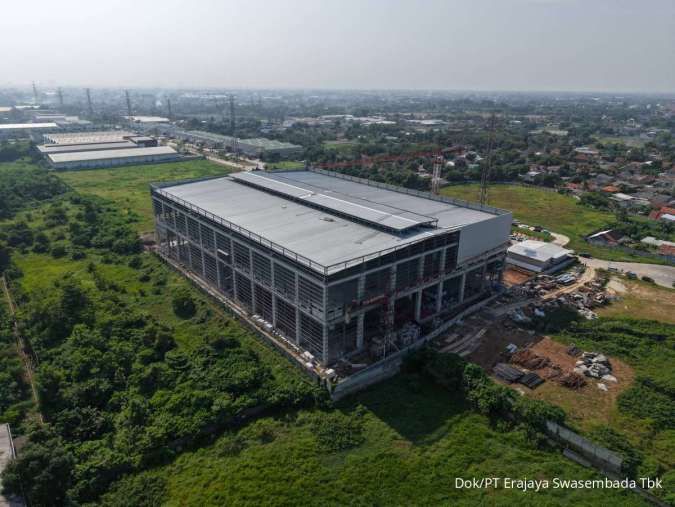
(183, 304)
(43, 470)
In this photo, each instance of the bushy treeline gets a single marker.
(14, 390)
(22, 185)
(116, 391)
(487, 397)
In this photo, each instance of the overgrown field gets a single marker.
(134, 364)
(129, 187)
(403, 442)
(551, 210)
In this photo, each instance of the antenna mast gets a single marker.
(436, 178)
(485, 174)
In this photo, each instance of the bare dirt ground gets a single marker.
(494, 342)
(514, 276)
(589, 405)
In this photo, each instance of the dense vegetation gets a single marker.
(23, 184)
(119, 387)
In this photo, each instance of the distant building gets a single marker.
(111, 158)
(26, 130)
(253, 147)
(538, 256)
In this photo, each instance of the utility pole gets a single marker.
(91, 108)
(126, 93)
(60, 92)
(485, 174)
(35, 94)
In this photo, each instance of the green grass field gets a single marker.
(551, 210)
(128, 187)
(285, 164)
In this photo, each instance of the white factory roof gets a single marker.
(539, 250)
(326, 219)
(68, 148)
(147, 119)
(110, 154)
(24, 126)
(90, 137)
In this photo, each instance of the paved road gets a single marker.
(662, 275)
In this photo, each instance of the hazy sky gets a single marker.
(594, 45)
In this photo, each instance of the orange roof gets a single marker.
(611, 189)
(667, 250)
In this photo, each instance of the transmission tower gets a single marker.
(168, 104)
(89, 105)
(126, 93)
(35, 93)
(233, 120)
(485, 174)
(59, 91)
(233, 127)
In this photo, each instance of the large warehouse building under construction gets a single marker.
(336, 266)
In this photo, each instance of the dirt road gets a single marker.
(662, 275)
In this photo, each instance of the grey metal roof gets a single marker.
(90, 137)
(68, 148)
(322, 237)
(110, 154)
(374, 213)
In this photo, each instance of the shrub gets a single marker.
(335, 431)
(183, 304)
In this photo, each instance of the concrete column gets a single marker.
(391, 302)
(274, 298)
(361, 288)
(359, 331)
(297, 326)
(442, 262)
(420, 267)
(325, 326)
(297, 311)
(439, 295)
(461, 288)
(418, 306)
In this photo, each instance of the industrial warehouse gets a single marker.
(111, 158)
(87, 150)
(336, 266)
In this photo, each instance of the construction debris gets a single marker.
(528, 359)
(572, 380)
(531, 380)
(593, 364)
(507, 373)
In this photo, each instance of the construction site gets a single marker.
(343, 272)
